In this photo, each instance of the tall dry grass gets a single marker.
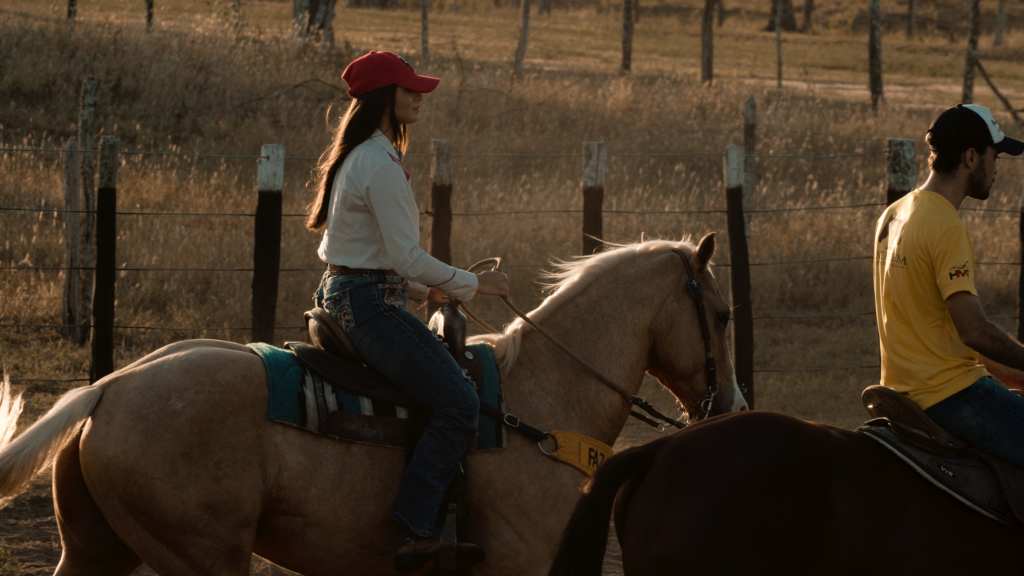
(199, 83)
(208, 89)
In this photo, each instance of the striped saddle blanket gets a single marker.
(301, 398)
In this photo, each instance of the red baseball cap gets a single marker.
(379, 69)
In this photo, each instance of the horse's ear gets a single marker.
(705, 250)
(643, 238)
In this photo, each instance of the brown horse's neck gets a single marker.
(608, 324)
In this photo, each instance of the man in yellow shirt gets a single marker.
(931, 325)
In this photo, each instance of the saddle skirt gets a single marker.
(334, 397)
(989, 485)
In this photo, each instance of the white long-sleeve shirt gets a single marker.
(373, 221)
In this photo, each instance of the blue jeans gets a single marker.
(986, 415)
(371, 310)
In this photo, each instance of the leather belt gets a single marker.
(336, 270)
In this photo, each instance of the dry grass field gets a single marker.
(199, 83)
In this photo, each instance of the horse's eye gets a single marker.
(724, 318)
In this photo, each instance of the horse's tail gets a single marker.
(36, 447)
(581, 552)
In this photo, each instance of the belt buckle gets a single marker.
(511, 420)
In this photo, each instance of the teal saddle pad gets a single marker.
(301, 398)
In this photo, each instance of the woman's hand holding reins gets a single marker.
(492, 283)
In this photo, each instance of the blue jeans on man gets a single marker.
(987, 416)
(395, 343)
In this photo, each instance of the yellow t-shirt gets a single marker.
(923, 255)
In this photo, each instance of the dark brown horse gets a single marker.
(758, 493)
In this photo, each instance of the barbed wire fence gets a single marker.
(268, 221)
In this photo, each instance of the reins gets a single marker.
(696, 291)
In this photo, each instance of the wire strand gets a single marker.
(49, 380)
(811, 208)
(137, 152)
(841, 314)
(809, 261)
(875, 366)
(821, 157)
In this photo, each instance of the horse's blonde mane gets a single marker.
(565, 282)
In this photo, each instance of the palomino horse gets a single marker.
(765, 493)
(177, 466)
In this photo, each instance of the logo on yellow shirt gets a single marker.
(959, 272)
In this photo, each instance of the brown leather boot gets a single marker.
(413, 551)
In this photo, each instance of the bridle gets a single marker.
(695, 290)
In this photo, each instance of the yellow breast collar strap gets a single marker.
(579, 451)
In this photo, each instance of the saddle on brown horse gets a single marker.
(989, 485)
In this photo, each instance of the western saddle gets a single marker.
(908, 423)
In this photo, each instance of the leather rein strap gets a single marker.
(696, 291)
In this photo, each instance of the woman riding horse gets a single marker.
(365, 205)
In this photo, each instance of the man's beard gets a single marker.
(977, 187)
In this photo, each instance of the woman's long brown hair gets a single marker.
(357, 126)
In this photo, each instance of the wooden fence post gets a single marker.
(524, 37)
(300, 23)
(441, 171)
(441, 201)
(595, 157)
(739, 275)
(911, 19)
(778, 43)
(327, 24)
(1006, 103)
(875, 52)
(972, 53)
(87, 145)
(901, 167)
(71, 301)
(425, 38)
(627, 36)
(1020, 279)
(749, 144)
(266, 255)
(106, 259)
(1000, 24)
(707, 43)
